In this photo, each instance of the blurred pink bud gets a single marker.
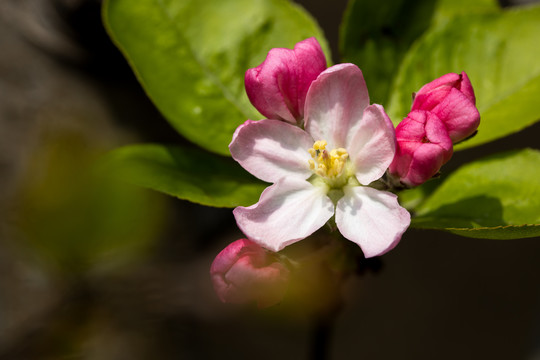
(278, 87)
(423, 146)
(451, 98)
(244, 272)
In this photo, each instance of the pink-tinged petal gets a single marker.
(371, 144)
(335, 103)
(424, 162)
(431, 94)
(245, 272)
(459, 115)
(371, 218)
(437, 134)
(423, 147)
(228, 256)
(451, 98)
(265, 90)
(288, 211)
(272, 149)
(311, 62)
(466, 87)
(278, 87)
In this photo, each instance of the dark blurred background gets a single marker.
(90, 269)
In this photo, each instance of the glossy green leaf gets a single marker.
(497, 198)
(499, 51)
(191, 56)
(189, 174)
(376, 35)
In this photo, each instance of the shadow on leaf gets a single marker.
(473, 212)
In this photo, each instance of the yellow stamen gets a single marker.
(328, 164)
(320, 145)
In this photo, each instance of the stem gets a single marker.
(321, 335)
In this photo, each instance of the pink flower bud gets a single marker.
(278, 87)
(451, 98)
(423, 146)
(244, 272)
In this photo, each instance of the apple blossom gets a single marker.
(323, 170)
(278, 87)
(451, 98)
(244, 272)
(423, 147)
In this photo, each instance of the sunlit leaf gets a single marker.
(376, 35)
(497, 197)
(186, 173)
(191, 56)
(499, 51)
(448, 9)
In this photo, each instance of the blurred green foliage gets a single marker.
(78, 219)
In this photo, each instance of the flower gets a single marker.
(423, 146)
(244, 272)
(324, 169)
(451, 98)
(278, 87)
(443, 112)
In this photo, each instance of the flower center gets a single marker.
(327, 164)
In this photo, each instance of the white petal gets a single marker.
(372, 219)
(272, 149)
(335, 102)
(372, 144)
(287, 211)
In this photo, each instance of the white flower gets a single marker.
(324, 169)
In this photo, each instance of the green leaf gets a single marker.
(496, 198)
(186, 173)
(191, 56)
(499, 52)
(376, 35)
(448, 9)
(412, 198)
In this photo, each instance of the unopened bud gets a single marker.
(278, 87)
(245, 272)
(451, 98)
(423, 146)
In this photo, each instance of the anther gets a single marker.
(325, 163)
